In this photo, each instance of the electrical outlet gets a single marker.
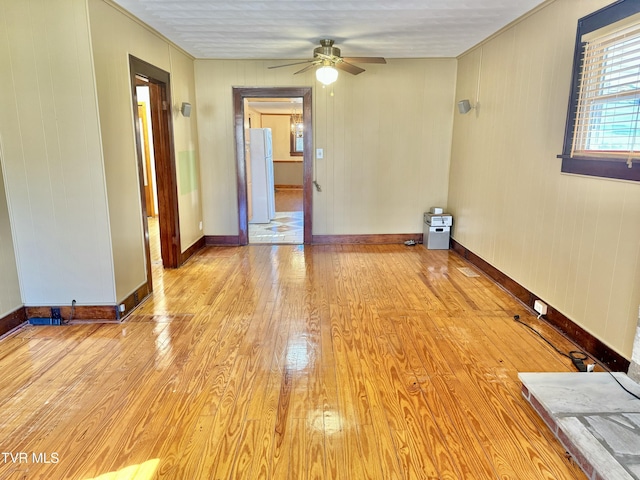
(55, 313)
(540, 307)
(122, 307)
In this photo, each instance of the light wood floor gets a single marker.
(288, 200)
(288, 362)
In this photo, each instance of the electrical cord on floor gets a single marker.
(517, 319)
(576, 356)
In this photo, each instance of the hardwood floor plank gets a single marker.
(262, 457)
(412, 462)
(418, 416)
(66, 384)
(144, 415)
(473, 431)
(399, 408)
(247, 450)
(460, 441)
(511, 443)
(281, 446)
(298, 459)
(379, 430)
(289, 362)
(369, 453)
(353, 401)
(335, 461)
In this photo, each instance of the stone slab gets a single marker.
(593, 417)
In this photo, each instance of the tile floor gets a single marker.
(287, 227)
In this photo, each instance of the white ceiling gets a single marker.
(290, 29)
(276, 106)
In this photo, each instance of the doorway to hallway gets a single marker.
(244, 178)
(277, 215)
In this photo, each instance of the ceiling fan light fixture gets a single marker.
(326, 74)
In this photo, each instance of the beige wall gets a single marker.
(386, 136)
(288, 174)
(114, 36)
(281, 130)
(10, 298)
(573, 241)
(186, 146)
(284, 173)
(51, 157)
(254, 115)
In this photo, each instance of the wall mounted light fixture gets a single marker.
(464, 106)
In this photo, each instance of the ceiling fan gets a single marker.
(328, 58)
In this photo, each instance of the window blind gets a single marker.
(607, 123)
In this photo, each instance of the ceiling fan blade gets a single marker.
(290, 64)
(364, 59)
(347, 67)
(306, 68)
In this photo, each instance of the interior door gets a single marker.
(146, 162)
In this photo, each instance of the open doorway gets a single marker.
(275, 176)
(243, 123)
(145, 138)
(156, 161)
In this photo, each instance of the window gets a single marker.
(602, 135)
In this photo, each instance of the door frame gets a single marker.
(164, 156)
(239, 95)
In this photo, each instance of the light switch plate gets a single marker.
(319, 153)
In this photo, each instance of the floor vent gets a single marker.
(469, 272)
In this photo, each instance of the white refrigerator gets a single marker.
(263, 205)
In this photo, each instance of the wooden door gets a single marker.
(148, 171)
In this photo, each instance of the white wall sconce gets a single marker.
(185, 109)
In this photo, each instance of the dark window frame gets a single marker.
(606, 168)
